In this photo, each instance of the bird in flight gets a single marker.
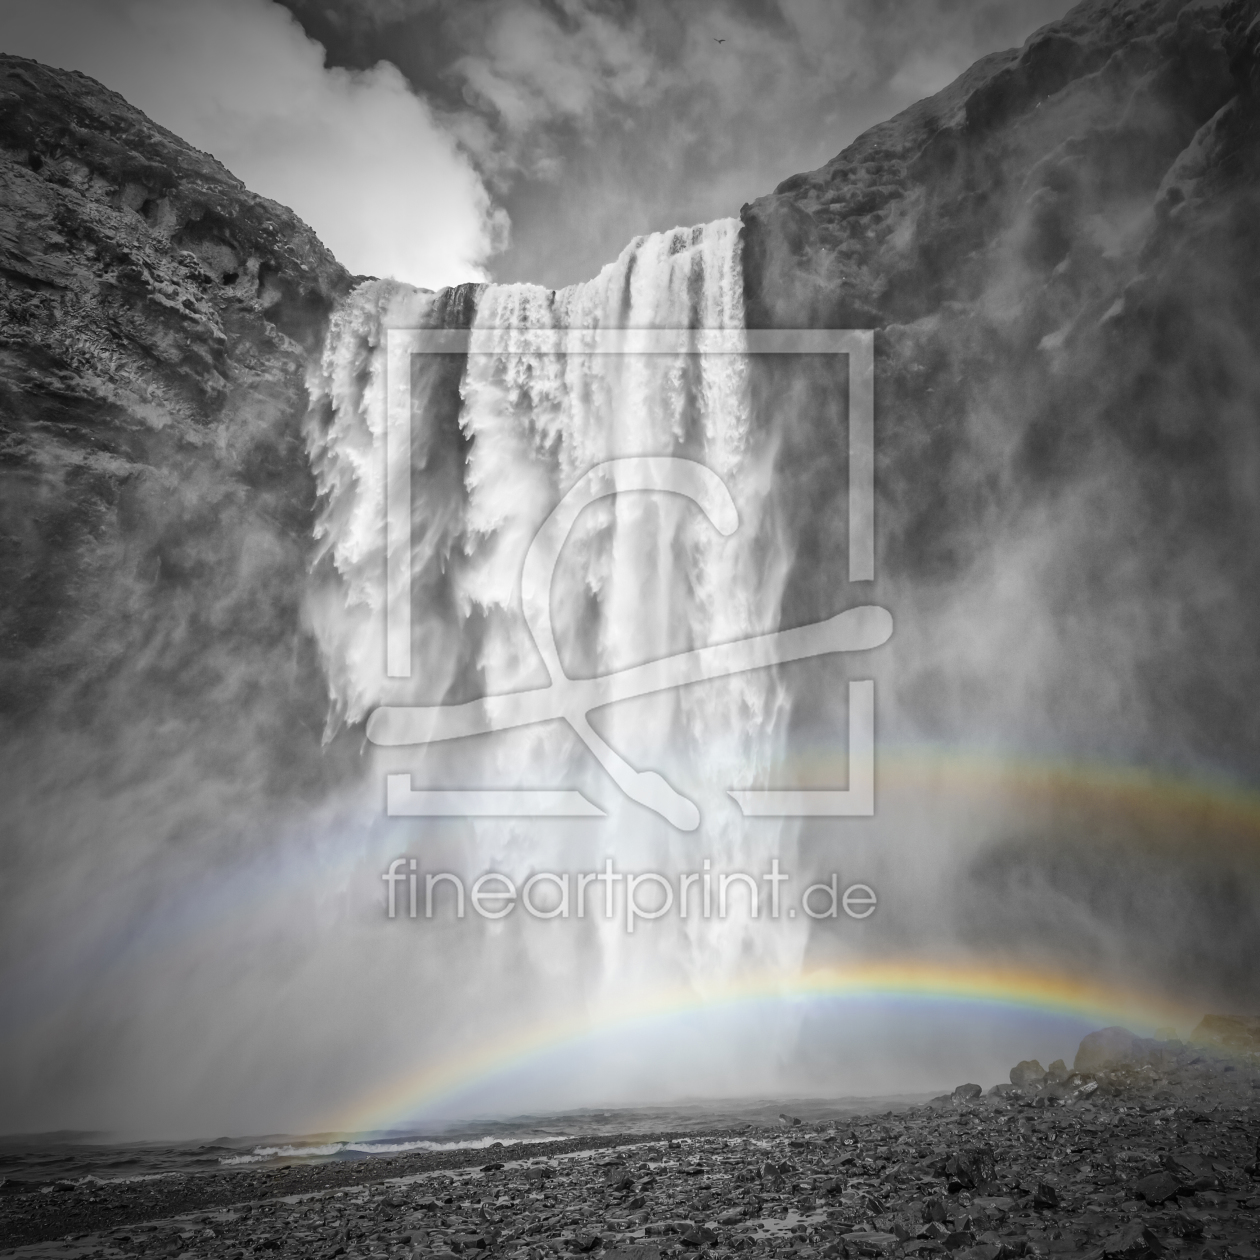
(718, 41)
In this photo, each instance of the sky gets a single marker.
(440, 141)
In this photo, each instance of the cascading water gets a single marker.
(497, 441)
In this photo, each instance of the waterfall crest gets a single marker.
(498, 438)
(641, 577)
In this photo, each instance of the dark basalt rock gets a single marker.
(1076, 1177)
(1016, 154)
(1110, 1047)
(1060, 256)
(155, 500)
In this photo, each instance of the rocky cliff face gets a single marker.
(1060, 254)
(155, 504)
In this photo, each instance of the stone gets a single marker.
(1228, 1032)
(871, 1243)
(1134, 1242)
(698, 1236)
(1029, 1072)
(973, 1167)
(965, 1093)
(1109, 1047)
(1197, 1170)
(1157, 1188)
(992, 1207)
(668, 1227)
(880, 1190)
(1186, 1226)
(1045, 1196)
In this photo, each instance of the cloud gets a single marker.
(356, 153)
(594, 121)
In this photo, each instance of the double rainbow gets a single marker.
(1013, 989)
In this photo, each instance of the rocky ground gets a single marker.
(1143, 1148)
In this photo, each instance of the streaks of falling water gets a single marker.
(642, 576)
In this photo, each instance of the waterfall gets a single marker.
(498, 439)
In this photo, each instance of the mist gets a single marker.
(196, 929)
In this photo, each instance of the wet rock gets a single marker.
(698, 1236)
(1229, 1032)
(872, 1243)
(974, 1167)
(1196, 1169)
(1109, 1047)
(155, 316)
(1029, 1072)
(1185, 1226)
(992, 1210)
(1134, 1242)
(1045, 1196)
(1157, 1188)
(1065, 1173)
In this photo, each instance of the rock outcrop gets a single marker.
(1237, 1034)
(1059, 253)
(155, 500)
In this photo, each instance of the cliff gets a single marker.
(1060, 254)
(155, 503)
(1061, 258)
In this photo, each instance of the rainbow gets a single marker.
(1164, 807)
(1204, 818)
(1010, 988)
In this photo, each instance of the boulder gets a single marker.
(973, 1167)
(1229, 1032)
(1029, 1072)
(1110, 1047)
